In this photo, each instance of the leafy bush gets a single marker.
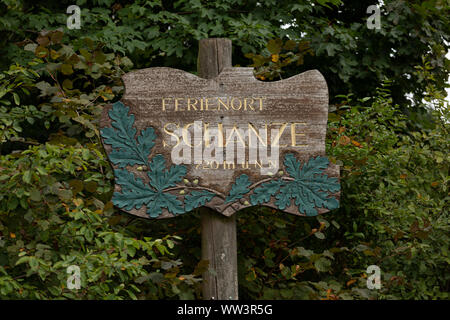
(55, 208)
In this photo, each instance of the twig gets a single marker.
(178, 187)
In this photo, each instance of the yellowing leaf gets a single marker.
(356, 144)
(54, 54)
(66, 69)
(78, 202)
(350, 282)
(12, 235)
(41, 52)
(344, 140)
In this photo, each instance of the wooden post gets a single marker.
(220, 281)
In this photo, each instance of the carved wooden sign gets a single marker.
(178, 142)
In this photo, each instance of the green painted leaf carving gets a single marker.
(135, 192)
(164, 200)
(239, 188)
(310, 187)
(197, 199)
(265, 192)
(121, 136)
(160, 178)
(128, 150)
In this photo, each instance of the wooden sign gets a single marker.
(178, 142)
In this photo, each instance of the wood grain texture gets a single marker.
(302, 98)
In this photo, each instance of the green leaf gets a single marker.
(197, 199)
(239, 188)
(160, 178)
(16, 98)
(164, 200)
(274, 46)
(126, 150)
(130, 151)
(27, 176)
(322, 264)
(66, 69)
(263, 193)
(319, 235)
(134, 192)
(310, 186)
(35, 195)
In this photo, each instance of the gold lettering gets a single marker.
(260, 103)
(193, 105)
(170, 133)
(206, 134)
(185, 137)
(251, 128)
(220, 129)
(227, 165)
(276, 140)
(220, 102)
(207, 105)
(232, 104)
(249, 105)
(294, 134)
(216, 165)
(271, 164)
(176, 104)
(235, 129)
(164, 103)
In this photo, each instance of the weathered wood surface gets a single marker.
(219, 248)
(301, 99)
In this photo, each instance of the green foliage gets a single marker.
(56, 187)
(332, 36)
(17, 80)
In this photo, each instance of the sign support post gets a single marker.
(220, 281)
